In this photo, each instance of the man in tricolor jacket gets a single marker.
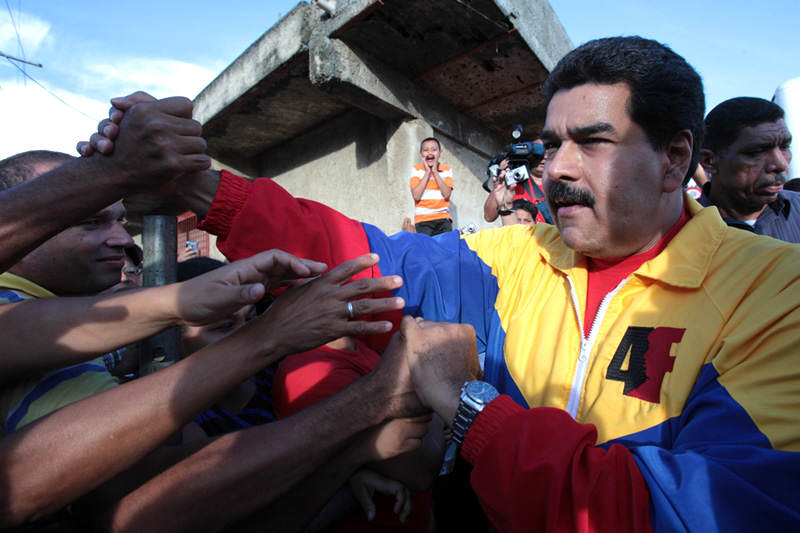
(640, 367)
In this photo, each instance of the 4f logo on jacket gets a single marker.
(649, 360)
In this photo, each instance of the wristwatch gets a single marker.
(475, 395)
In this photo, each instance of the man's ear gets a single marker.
(679, 156)
(710, 162)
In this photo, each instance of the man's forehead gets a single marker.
(590, 105)
(765, 132)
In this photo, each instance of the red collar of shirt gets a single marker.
(605, 274)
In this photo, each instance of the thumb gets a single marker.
(250, 294)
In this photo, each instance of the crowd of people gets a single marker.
(616, 357)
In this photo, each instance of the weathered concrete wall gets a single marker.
(342, 164)
(360, 165)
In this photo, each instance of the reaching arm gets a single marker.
(298, 507)
(157, 142)
(65, 331)
(244, 471)
(59, 457)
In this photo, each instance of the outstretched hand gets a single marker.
(219, 293)
(365, 483)
(441, 357)
(148, 142)
(311, 314)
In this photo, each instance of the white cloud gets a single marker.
(32, 32)
(34, 119)
(159, 77)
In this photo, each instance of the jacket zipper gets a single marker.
(587, 343)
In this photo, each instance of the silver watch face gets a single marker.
(481, 391)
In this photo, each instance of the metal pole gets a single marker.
(159, 242)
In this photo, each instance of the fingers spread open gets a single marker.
(372, 306)
(365, 286)
(348, 269)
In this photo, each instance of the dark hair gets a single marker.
(666, 92)
(426, 139)
(18, 169)
(197, 266)
(526, 205)
(725, 122)
(135, 254)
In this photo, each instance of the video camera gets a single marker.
(521, 157)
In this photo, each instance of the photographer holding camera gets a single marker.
(510, 179)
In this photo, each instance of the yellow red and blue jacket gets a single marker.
(680, 411)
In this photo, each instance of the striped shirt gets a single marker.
(432, 205)
(26, 400)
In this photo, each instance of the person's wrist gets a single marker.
(166, 304)
(105, 173)
(448, 404)
(196, 191)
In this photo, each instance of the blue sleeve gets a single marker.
(444, 280)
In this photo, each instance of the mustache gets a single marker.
(563, 193)
(778, 179)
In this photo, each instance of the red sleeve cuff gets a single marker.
(486, 425)
(231, 195)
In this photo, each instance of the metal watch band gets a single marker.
(469, 407)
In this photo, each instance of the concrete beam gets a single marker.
(347, 14)
(358, 78)
(272, 51)
(539, 26)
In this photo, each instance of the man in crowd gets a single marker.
(746, 155)
(644, 352)
(500, 201)
(525, 211)
(431, 186)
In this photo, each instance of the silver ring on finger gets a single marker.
(350, 312)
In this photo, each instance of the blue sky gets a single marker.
(92, 51)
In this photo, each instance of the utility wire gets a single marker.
(54, 95)
(16, 30)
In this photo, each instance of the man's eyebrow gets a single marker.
(766, 145)
(579, 132)
(590, 129)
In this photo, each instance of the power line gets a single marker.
(14, 23)
(54, 95)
